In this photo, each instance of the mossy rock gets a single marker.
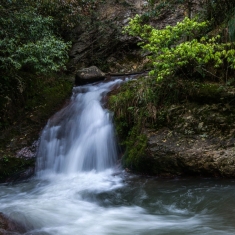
(12, 168)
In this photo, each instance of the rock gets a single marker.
(10, 227)
(88, 75)
(15, 169)
(96, 41)
(28, 152)
(189, 140)
(183, 155)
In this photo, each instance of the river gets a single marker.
(79, 189)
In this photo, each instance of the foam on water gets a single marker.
(56, 205)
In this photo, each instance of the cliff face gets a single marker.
(195, 140)
(100, 41)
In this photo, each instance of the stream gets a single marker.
(79, 189)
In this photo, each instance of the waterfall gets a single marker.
(80, 137)
(78, 191)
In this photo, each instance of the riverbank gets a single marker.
(181, 129)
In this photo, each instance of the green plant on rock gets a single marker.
(136, 145)
(172, 53)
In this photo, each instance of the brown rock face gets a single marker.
(175, 154)
(198, 140)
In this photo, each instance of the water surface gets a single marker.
(79, 190)
(107, 203)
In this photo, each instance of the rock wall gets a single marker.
(194, 135)
(99, 41)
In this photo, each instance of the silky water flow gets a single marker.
(81, 136)
(79, 190)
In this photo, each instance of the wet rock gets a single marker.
(19, 167)
(28, 152)
(88, 75)
(10, 227)
(16, 169)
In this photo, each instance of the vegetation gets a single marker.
(169, 55)
(30, 48)
(35, 39)
(192, 61)
(29, 43)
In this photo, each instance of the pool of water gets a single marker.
(78, 190)
(115, 203)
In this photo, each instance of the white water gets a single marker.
(79, 190)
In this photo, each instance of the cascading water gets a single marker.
(78, 191)
(80, 137)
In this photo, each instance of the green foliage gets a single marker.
(66, 14)
(142, 102)
(29, 48)
(135, 150)
(171, 53)
(129, 106)
(27, 41)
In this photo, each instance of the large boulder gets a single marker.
(88, 75)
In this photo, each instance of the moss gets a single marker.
(11, 167)
(136, 144)
(52, 96)
(38, 93)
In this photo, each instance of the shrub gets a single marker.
(29, 46)
(27, 41)
(182, 48)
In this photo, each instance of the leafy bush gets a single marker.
(27, 41)
(171, 52)
(29, 47)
